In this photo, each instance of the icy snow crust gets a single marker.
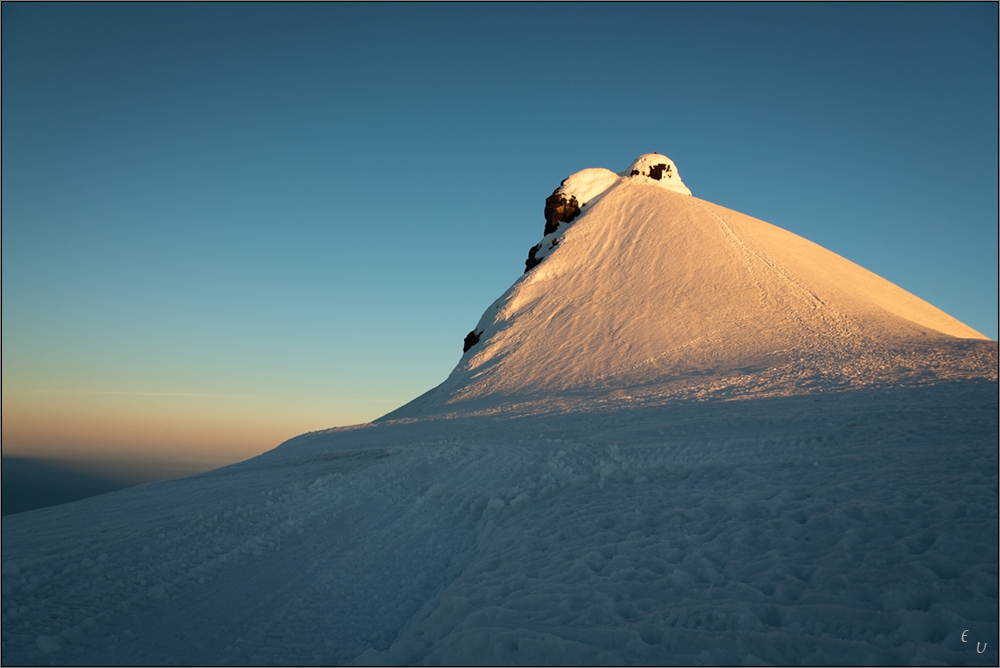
(686, 437)
(842, 528)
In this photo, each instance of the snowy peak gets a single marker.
(657, 168)
(584, 188)
(581, 188)
(639, 289)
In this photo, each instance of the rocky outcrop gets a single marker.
(655, 172)
(538, 252)
(471, 339)
(560, 209)
(658, 169)
(533, 259)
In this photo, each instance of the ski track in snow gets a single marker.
(835, 528)
(752, 256)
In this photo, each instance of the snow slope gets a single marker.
(786, 460)
(655, 291)
(842, 528)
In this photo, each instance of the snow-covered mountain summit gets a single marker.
(637, 287)
(629, 527)
(659, 169)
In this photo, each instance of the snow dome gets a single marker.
(658, 168)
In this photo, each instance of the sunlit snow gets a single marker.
(654, 292)
(685, 437)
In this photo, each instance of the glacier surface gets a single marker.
(843, 528)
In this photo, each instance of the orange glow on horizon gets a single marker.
(209, 429)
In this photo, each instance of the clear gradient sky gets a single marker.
(228, 224)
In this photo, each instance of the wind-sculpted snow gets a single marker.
(844, 528)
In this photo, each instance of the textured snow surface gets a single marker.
(657, 293)
(844, 528)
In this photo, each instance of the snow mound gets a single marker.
(659, 169)
(587, 184)
(639, 288)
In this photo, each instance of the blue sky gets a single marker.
(227, 224)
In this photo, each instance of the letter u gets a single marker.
(981, 650)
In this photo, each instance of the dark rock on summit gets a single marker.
(656, 172)
(559, 209)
